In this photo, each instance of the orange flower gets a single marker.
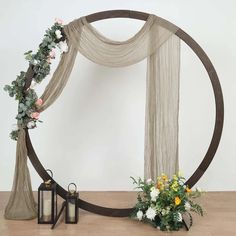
(188, 190)
(177, 201)
(159, 185)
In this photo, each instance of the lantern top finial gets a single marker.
(72, 191)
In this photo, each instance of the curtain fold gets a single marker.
(104, 51)
(59, 78)
(162, 109)
(21, 204)
(161, 48)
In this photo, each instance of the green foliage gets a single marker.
(14, 134)
(196, 208)
(16, 87)
(40, 62)
(169, 198)
(26, 107)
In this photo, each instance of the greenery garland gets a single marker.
(40, 62)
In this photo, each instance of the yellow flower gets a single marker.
(175, 186)
(175, 177)
(164, 177)
(188, 190)
(177, 201)
(158, 178)
(176, 183)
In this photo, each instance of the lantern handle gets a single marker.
(49, 171)
(69, 190)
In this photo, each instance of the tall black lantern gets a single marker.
(47, 202)
(71, 216)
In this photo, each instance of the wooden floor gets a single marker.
(219, 220)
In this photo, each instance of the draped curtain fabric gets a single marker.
(21, 204)
(162, 108)
(162, 49)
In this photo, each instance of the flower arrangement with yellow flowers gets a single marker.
(162, 203)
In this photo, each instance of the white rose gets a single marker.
(187, 206)
(35, 62)
(154, 194)
(151, 213)
(139, 215)
(31, 125)
(149, 181)
(58, 34)
(63, 46)
(33, 84)
(180, 217)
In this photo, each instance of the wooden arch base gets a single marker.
(219, 105)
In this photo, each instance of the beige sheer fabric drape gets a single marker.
(161, 48)
(162, 108)
(21, 204)
(83, 37)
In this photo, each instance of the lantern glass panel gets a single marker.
(45, 206)
(71, 210)
(55, 205)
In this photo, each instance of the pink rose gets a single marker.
(35, 115)
(39, 102)
(59, 21)
(52, 54)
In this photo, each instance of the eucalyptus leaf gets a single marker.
(28, 103)
(7, 87)
(21, 105)
(28, 52)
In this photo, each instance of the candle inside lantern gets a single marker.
(47, 209)
(71, 211)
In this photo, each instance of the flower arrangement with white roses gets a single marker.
(162, 203)
(28, 101)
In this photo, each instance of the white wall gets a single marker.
(93, 134)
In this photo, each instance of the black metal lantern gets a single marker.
(72, 205)
(47, 202)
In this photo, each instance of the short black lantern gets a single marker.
(72, 205)
(47, 202)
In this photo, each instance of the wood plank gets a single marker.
(219, 220)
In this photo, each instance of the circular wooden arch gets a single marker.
(219, 105)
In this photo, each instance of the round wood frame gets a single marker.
(219, 105)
